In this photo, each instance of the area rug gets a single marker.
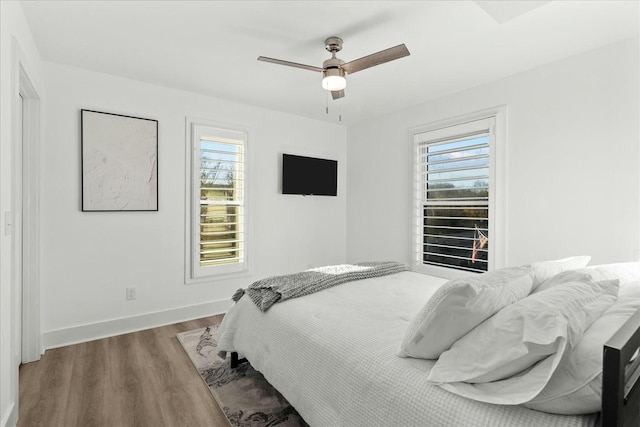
(245, 396)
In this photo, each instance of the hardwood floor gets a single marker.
(138, 379)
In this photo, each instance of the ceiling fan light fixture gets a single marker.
(334, 70)
(334, 79)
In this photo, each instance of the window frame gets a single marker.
(497, 193)
(194, 272)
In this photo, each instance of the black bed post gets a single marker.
(234, 359)
(621, 379)
(612, 388)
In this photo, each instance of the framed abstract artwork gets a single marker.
(119, 162)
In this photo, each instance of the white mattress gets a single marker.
(333, 355)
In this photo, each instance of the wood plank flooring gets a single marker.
(139, 379)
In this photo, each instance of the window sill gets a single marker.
(216, 277)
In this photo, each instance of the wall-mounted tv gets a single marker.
(309, 176)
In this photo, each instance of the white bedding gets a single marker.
(333, 355)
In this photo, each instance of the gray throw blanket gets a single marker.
(266, 292)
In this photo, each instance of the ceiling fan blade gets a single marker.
(290, 64)
(337, 94)
(378, 58)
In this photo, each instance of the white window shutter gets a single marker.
(452, 196)
(219, 231)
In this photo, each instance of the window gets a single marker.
(218, 209)
(455, 200)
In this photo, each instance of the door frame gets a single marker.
(26, 179)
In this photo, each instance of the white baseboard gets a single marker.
(110, 328)
(12, 417)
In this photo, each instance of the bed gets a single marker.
(334, 355)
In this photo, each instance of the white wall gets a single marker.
(17, 49)
(90, 258)
(573, 162)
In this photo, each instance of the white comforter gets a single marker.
(333, 355)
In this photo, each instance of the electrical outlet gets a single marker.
(131, 294)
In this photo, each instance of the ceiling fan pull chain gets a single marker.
(327, 106)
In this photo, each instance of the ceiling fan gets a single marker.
(335, 69)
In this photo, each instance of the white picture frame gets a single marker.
(119, 162)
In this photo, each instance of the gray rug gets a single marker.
(246, 398)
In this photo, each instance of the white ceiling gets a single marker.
(210, 47)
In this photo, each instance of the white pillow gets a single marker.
(459, 306)
(509, 353)
(626, 272)
(545, 270)
(462, 304)
(576, 385)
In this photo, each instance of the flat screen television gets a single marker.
(309, 176)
